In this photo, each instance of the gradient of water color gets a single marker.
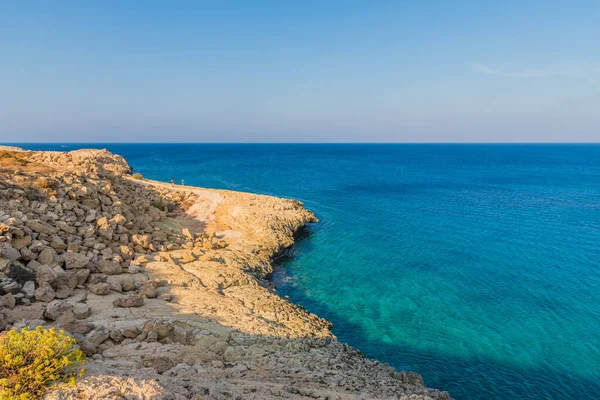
(477, 266)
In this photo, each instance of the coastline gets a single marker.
(211, 323)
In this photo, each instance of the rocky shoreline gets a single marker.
(166, 288)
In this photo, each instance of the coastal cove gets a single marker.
(475, 266)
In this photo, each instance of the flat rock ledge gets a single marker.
(166, 287)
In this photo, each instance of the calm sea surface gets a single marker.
(477, 266)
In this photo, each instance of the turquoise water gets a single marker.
(477, 266)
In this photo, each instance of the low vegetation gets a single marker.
(42, 182)
(138, 176)
(6, 155)
(32, 360)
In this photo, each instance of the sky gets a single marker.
(300, 71)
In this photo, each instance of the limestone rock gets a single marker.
(10, 253)
(8, 301)
(81, 311)
(74, 260)
(150, 290)
(82, 275)
(109, 267)
(45, 274)
(27, 255)
(45, 293)
(163, 364)
(28, 289)
(141, 240)
(163, 329)
(115, 286)
(57, 243)
(46, 256)
(128, 301)
(100, 289)
(39, 227)
(130, 331)
(4, 264)
(19, 243)
(56, 308)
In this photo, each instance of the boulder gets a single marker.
(131, 300)
(27, 255)
(56, 308)
(81, 311)
(4, 264)
(82, 275)
(98, 336)
(96, 278)
(106, 233)
(45, 293)
(80, 327)
(126, 252)
(118, 219)
(182, 335)
(10, 286)
(134, 269)
(130, 332)
(45, 274)
(87, 347)
(163, 364)
(57, 243)
(141, 240)
(19, 243)
(116, 336)
(65, 283)
(33, 265)
(100, 289)
(150, 290)
(128, 284)
(162, 329)
(10, 253)
(40, 227)
(28, 289)
(74, 260)
(46, 256)
(109, 267)
(115, 286)
(8, 301)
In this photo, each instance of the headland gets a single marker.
(166, 288)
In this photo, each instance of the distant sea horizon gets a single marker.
(476, 265)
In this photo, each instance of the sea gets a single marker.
(475, 265)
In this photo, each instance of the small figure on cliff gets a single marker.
(182, 182)
(172, 181)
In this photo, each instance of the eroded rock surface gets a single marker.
(166, 288)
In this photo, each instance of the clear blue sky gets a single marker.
(297, 71)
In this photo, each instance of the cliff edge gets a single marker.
(166, 287)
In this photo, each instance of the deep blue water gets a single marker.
(477, 266)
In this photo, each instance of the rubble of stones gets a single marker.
(69, 233)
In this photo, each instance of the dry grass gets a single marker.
(8, 156)
(42, 183)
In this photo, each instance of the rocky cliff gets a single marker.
(166, 288)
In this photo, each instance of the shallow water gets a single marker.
(477, 266)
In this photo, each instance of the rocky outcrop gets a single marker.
(166, 288)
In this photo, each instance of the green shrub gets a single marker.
(32, 360)
(138, 176)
